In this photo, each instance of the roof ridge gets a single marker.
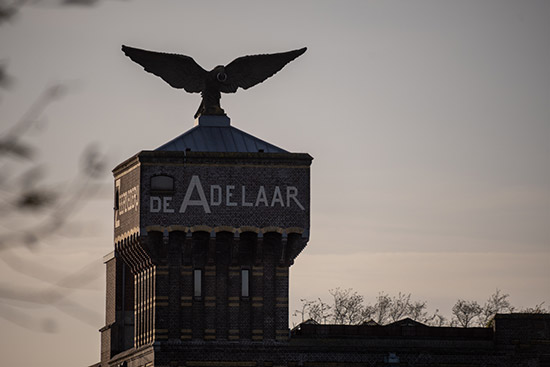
(207, 137)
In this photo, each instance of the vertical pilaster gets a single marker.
(281, 302)
(281, 288)
(141, 307)
(176, 240)
(127, 305)
(257, 298)
(159, 314)
(109, 343)
(150, 307)
(153, 289)
(199, 253)
(210, 301)
(233, 295)
(248, 248)
(224, 242)
(186, 301)
(245, 312)
(137, 309)
(271, 241)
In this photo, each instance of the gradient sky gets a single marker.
(429, 122)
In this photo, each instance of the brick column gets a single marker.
(224, 242)
(270, 243)
(159, 311)
(209, 301)
(257, 299)
(176, 240)
(281, 289)
(233, 302)
(151, 308)
(281, 302)
(199, 252)
(138, 309)
(109, 343)
(249, 254)
(186, 300)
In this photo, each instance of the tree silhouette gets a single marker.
(33, 209)
(350, 308)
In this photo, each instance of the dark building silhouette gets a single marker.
(207, 227)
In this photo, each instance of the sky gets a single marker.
(428, 121)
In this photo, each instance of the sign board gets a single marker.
(213, 189)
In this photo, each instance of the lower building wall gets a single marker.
(516, 340)
(334, 356)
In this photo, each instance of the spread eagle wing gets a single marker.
(179, 71)
(247, 71)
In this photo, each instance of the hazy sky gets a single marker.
(429, 122)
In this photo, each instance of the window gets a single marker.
(198, 283)
(117, 199)
(245, 283)
(162, 183)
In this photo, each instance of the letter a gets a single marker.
(195, 183)
(261, 198)
(277, 198)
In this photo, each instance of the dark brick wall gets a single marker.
(221, 313)
(127, 206)
(284, 176)
(175, 283)
(117, 334)
(525, 337)
(156, 258)
(162, 250)
(339, 346)
(521, 328)
(111, 296)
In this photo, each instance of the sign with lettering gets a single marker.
(244, 194)
(228, 196)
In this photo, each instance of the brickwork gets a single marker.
(175, 283)
(111, 296)
(224, 242)
(117, 334)
(127, 199)
(238, 189)
(177, 289)
(437, 347)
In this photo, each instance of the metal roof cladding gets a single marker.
(215, 134)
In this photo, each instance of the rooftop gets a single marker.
(215, 134)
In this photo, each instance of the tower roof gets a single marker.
(215, 134)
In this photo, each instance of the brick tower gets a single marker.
(206, 228)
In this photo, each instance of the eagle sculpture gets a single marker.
(182, 71)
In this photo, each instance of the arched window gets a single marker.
(245, 283)
(162, 183)
(197, 283)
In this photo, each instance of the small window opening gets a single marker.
(162, 183)
(245, 283)
(117, 199)
(198, 283)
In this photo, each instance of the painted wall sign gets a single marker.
(252, 192)
(226, 196)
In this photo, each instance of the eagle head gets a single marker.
(219, 72)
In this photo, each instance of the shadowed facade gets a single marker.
(206, 229)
